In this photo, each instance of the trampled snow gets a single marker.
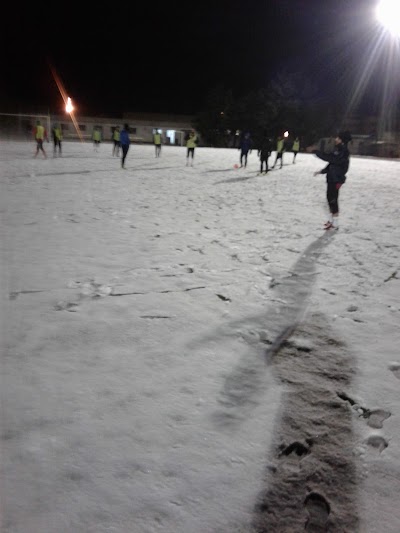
(185, 350)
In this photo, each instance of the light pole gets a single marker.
(388, 16)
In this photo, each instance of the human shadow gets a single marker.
(245, 383)
(235, 180)
(310, 483)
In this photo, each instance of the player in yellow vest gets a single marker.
(40, 134)
(116, 138)
(295, 148)
(157, 143)
(96, 138)
(57, 138)
(280, 148)
(191, 144)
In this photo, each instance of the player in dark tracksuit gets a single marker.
(338, 165)
(246, 145)
(124, 141)
(264, 151)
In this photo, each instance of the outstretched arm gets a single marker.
(323, 171)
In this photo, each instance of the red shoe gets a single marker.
(329, 225)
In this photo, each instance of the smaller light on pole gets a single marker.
(286, 134)
(69, 107)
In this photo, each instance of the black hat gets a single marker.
(345, 136)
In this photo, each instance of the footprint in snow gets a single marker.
(377, 417)
(377, 441)
(395, 368)
(318, 510)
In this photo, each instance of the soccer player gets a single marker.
(40, 134)
(338, 165)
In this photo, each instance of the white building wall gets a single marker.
(141, 129)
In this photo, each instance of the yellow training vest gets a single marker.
(191, 142)
(57, 134)
(39, 133)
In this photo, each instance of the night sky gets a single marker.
(165, 56)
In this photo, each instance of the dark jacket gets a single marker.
(338, 163)
(246, 144)
(265, 149)
(124, 138)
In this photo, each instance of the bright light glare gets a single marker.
(388, 13)
(286, 134)
(69, 107)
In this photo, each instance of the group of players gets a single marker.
(338, 160)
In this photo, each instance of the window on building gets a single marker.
(64, 127)
(82, 127)
(171, 136)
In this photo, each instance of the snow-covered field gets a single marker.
(186, 351)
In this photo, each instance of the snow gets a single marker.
(186, 350)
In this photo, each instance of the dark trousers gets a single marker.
(124, 148)
(158, 150)
(243, 156)
(279, 155)
(57, 143)
(332, 195)
(116, 148)
(262, 161)
(190, 151)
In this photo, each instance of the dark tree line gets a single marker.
(289, 102)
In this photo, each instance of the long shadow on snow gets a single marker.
(234, 180)
(311, 480)
(246, 381)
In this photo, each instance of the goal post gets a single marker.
(19, 126)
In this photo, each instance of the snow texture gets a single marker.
(186, 350)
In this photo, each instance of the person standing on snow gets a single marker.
(264, 151)
(115, 138)
(338, 165)
(57, 138)
(125, 142)
(40, 134)
(245, 147)
(280, 148)
(295, 148)
(191, 144)
(96, 138)
(157, 142)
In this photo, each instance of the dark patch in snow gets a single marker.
(314, 486)
(377, 417)
(296, 447)
(318, 509)
(223, 298)
(395, 368)
(377, 441)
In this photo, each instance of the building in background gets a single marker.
(173, 128)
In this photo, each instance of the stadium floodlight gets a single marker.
(388, 14)
(69, 107)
